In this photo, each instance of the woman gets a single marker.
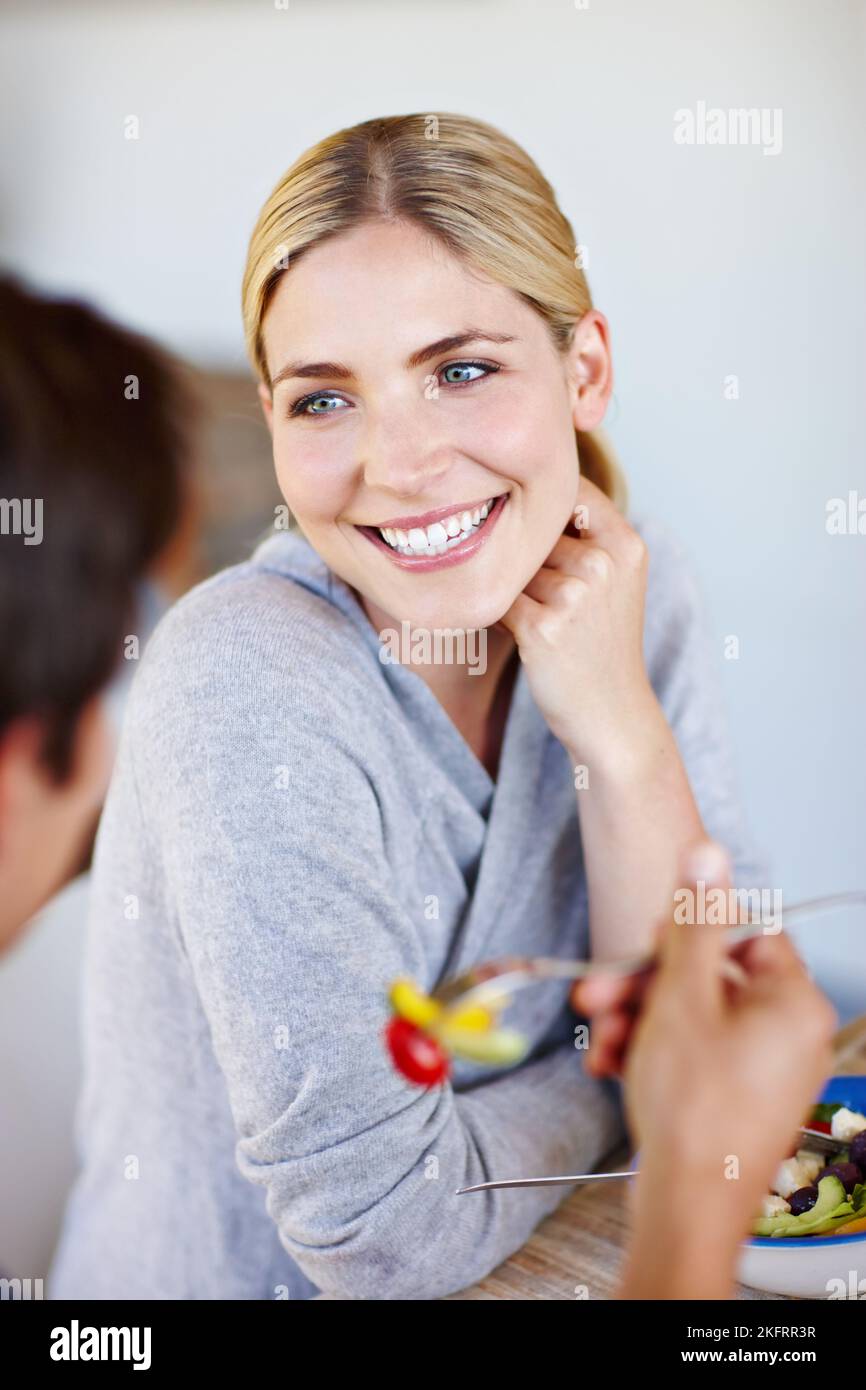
(294, 821)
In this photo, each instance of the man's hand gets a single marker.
(717, 1079)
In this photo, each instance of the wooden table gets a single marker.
(581, 1244)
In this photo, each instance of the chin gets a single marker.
(466, 613)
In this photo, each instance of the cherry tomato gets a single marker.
(415, 1054)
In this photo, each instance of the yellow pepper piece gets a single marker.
(475, 1018)
(413, 1004)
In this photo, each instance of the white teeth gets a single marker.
(438, 537)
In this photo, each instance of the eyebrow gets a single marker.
(337, 371)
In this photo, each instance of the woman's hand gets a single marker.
(717, 1078)
(579, 628)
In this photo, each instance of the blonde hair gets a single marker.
(466, 184)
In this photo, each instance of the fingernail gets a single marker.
(707, 861)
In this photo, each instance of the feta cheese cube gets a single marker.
(811, 1164)
(774, 1206)
(846, 1123)
(790, 1176)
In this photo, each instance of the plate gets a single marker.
(831, 1267)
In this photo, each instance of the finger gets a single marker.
(599, 992)
(608, 1036)
(571, 555)
(521, 616)
(596, 516)
(555, 590)
(588, 492)
(793, 1004)
(692, 950)
(777, 976)
(773, 954)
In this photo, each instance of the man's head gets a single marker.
(93, 431)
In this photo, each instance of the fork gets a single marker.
(499, 977)
(817, 1140)
(494, 979)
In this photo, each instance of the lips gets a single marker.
(446, 536)
(439, 535)
(405, 523)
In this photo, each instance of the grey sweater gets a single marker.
(291, 825)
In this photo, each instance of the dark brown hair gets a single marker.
(94, 424)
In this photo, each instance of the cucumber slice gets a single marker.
(831, 1209)
(500, 1047)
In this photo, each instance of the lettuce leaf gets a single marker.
(826, 1110)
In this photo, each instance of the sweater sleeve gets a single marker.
(686, 676)
(271, 840)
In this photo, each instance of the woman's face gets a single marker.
(389, 442)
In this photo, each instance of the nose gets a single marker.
(403, 451)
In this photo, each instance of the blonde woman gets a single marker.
(296, 819)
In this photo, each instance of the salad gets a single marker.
(812, 1197)
(423, 1034)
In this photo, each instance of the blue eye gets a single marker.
(300, 407)
(481, 368)
(308, 404)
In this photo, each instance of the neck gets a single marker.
(474, 696)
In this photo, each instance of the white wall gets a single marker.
(708, 261)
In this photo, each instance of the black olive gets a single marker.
(802, 1200)
(847, 1173)
(858, 1150)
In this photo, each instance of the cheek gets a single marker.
(525, 436)
(314, 481)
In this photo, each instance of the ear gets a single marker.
(21, 775)
(267, 406)
(590, 370)
(26, 783)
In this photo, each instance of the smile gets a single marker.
(442, 535)
(445, 535)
